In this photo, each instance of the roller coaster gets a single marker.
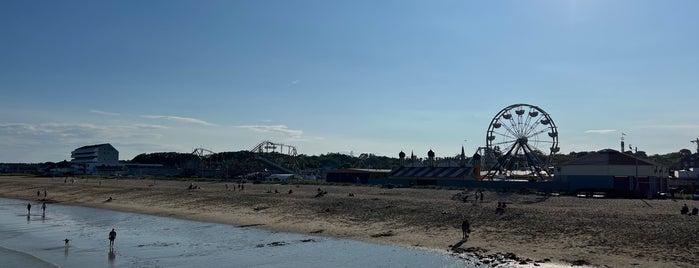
(271, 147)
(267, 147)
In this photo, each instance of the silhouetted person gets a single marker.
(112, 236)
(466, 229)
(65, 242)
(29, 208)
(695, 211)
(43, 208)
(684, 209)
(38, 193)
(500, 209)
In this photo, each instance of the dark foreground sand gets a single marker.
(595, 232)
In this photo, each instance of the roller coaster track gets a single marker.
(202, 153)
(271, 147)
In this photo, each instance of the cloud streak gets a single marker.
(600, 131)
(280, 129)
(104, 113)
(53, 141)
(180, 119)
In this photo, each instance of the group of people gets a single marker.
(112, 237)
(38, 193)
(241, 186)
(43, 209)
(112, 234)
(685, 210)
(477, 196)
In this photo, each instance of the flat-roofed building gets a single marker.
(610, 170)
(86, 158)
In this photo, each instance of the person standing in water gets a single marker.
(43, 208)
(29, 208)
(112, 236)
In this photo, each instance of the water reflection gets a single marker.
(111, 257)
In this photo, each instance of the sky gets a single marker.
(360, 76)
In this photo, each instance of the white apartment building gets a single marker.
(86, 158)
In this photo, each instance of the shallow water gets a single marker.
(152, 241)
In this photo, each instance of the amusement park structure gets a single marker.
(266, 147)
(203, 154)
(520, 142)
(271, 147)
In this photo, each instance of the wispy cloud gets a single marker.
(53, 141)
(180, 119)
(600, 131)
(104, 113)
(295, 82)
(282, 129)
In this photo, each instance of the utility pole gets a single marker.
(697, 142)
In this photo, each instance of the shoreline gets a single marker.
(534, 229)
(14, 258)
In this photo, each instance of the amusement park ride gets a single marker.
(521, 141)
(271, 147)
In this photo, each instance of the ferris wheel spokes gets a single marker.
(523, 132)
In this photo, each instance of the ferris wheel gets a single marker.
(521, 141)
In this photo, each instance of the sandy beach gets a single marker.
(535, 229)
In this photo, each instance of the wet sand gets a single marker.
(152, 241)
(595, 232)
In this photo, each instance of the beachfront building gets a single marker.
(356, 175)
(449, 171)
(96, 159)
(614, 172)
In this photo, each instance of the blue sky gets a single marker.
(341, 76)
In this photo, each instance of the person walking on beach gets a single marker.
(112, 236)
(466, 229)
(43, 208)
(29, 208)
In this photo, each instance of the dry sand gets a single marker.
(595, 232)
